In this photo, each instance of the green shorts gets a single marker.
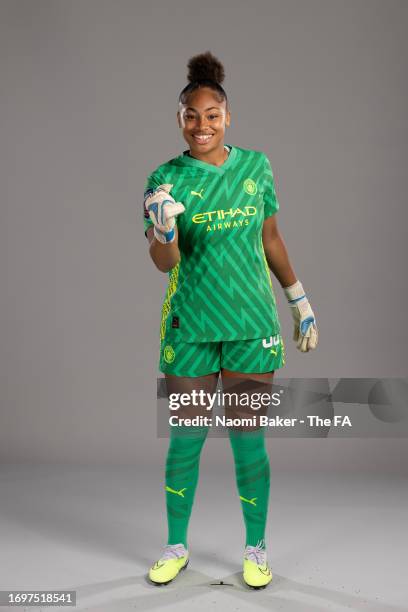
(200, 358)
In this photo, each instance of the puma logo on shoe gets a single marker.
(265, 572)
(250, 501)
(181, 492)
(157, 565)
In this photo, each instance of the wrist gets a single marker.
(164, 237)
(294, 293)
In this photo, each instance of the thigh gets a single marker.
(246, 397)
(194, 394)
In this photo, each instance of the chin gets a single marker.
(203, 148)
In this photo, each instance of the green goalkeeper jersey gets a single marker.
(221, 289)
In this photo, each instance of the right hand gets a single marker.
(162, 210)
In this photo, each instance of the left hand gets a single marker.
(305, 332)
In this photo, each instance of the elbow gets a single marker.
(162, 268)
(166, 267)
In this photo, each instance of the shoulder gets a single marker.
(252, 157)
(249, 152)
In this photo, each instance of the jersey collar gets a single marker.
(192, 161)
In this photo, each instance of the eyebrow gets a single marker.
(209, 108)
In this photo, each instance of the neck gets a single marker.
(216, 158)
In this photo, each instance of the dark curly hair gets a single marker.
(204, 70)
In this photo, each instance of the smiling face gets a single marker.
(203, 121)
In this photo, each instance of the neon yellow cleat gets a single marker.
(257, 573)
(174, 559)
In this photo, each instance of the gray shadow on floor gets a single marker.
(282, 594)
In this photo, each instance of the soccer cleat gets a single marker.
(257, 573)
(174, 559)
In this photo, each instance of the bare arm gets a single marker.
(276, 253)
(305, 331)
(165, 256)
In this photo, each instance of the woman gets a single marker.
(219, 315)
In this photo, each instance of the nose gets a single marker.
(202, 121)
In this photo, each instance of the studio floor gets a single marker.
(335, 542)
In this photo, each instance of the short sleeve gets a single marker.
(152, 181)
(271, 204)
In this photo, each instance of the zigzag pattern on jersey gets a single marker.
(171, 290)
(228, 306)
(216, 192)
(270, 198)
(212, 303)
(219, 296)
(174, 283)
(267, 268)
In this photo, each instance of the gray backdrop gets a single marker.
(88, 108)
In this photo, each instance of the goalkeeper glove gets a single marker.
(162, 210)
(305, 332)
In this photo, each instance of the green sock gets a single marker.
(252, 472)
(182, 470)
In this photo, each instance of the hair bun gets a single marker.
(205, 67)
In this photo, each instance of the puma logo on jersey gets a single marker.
(198, 193)
(181, 492)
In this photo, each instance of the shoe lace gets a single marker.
(256, 553)
(173, 551)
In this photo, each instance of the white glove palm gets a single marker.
(162, 210)
(305, 332)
